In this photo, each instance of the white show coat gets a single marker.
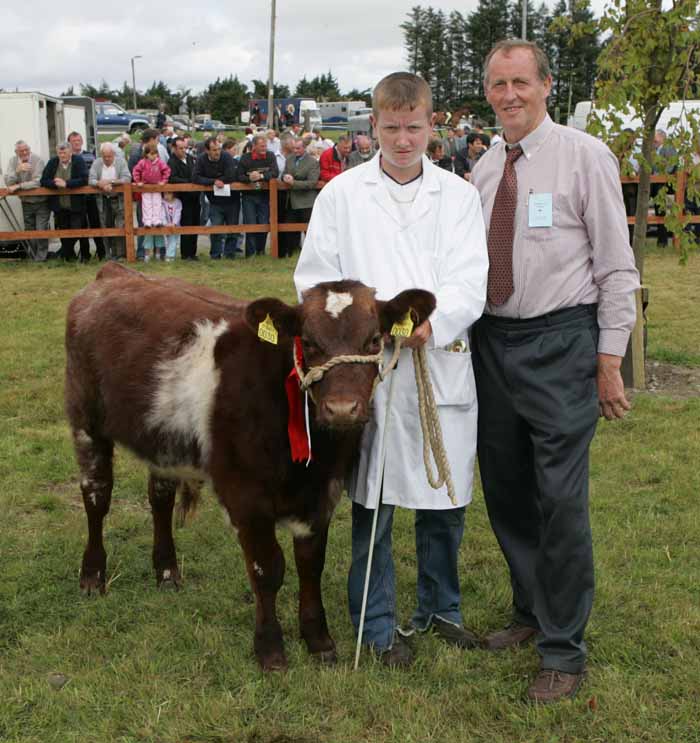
(356, 232)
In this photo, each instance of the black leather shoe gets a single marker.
(455, 635)
(399, 655)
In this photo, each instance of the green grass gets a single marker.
(144, 665)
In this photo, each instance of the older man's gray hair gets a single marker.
(258, 137)
(106, 147)
(63, 146)
(20, 143)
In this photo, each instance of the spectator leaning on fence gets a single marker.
(257, 167)
(67, 170)
(334, 160)
(107, 171)
(92, 217)
(301, 174)
(181, 166)
(217, 169)
(152, 171)
(24, 172)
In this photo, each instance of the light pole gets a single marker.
(133, 77)
(271, 73)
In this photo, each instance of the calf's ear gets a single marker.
(284, 318)
(418, 302)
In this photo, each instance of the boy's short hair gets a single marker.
(401, 90)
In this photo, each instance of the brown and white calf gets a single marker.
(179, 376)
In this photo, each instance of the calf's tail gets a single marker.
(189, 491)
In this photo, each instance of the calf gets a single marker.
(178, 375)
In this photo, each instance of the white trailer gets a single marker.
(338, 112)
(676, 110)
(38, 120)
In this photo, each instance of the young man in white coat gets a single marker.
(394, 223)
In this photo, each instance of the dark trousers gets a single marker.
(189, 218)
(91, 217)
(662, 234)
(538, 409)
(256, 210)
(290, 241)
(65, 219)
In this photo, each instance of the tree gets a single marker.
(322, 88)
(260, 90)
(224, 99)
(412, 30)
(651, 59)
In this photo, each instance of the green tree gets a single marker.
(224, 99)
(260, 89)
(412, 31)
(651, 59)
(322, 87)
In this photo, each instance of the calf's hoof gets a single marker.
(269, 650)
(273, 661)
(93, 584)
(169, 578)
(325, 657)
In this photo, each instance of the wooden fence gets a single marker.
(130, 232)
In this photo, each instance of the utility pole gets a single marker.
(271, 73)
(133, 77)
(523, 32)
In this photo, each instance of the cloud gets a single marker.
(49, 47)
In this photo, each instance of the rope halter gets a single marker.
(316, 373)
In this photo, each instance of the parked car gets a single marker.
(213, 125)
(113, 118)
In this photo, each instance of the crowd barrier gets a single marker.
(130, 231)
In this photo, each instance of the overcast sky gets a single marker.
(48, 46)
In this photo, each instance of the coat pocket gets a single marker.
(452, 376)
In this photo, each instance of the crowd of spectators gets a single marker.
(298, 159)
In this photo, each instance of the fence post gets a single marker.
(129, 224)
(274, 231)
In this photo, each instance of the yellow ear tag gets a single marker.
(267, 331)
(405, 327)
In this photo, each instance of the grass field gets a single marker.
(143, 665)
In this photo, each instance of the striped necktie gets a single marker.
(501, 230)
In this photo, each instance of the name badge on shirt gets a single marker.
(540, 210)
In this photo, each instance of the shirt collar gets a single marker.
(535, 139)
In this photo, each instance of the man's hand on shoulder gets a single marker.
(611, 390)
(420, 335)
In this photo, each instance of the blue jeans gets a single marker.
(438, 536)
(223, 214)
(256, 210)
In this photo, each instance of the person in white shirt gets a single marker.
(398, 222)
(107, 171)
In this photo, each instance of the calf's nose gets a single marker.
(341, 412)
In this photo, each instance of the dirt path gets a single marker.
(672, 381)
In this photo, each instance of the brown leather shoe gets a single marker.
(513, 635)
(553, 686)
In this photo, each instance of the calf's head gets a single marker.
(341, 318)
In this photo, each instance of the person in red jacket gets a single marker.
(334, 160)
